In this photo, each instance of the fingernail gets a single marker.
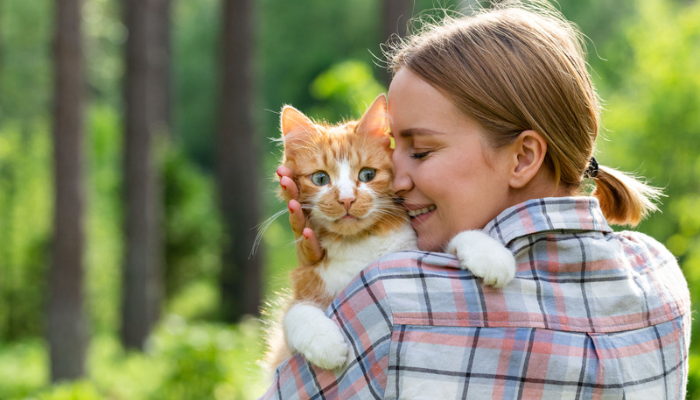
(305, 237)
(283, 187)
(290, 209)
(278, 174)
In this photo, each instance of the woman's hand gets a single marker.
(309, 250)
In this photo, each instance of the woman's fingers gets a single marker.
(284, 171)
(296, 218)
(289, 188)
(309, 250)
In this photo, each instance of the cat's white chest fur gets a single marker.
(348, 258)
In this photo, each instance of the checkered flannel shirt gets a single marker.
(591, 314)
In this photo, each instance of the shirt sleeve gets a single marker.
(362, 312)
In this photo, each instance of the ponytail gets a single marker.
(624, 199)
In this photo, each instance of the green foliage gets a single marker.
(25, 81)
(71, 391)
(192, 224)
(184, 362)
(280, 261)
(105, 35)
(345, 89)
(198, 355)
(195, 75)
(25, 207)
(103, 218)
(23, 368)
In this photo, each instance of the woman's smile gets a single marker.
(420, 211)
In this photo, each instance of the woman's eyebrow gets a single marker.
(410, 132)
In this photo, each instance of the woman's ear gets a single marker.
(529, 150)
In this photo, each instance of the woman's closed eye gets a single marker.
(419, 155)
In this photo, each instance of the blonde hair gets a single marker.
(519, 67)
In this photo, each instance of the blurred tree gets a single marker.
(241, 288)
(146, 101)
(66, 321)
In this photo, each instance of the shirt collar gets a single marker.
(549, 214)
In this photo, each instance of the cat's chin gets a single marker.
(349, 225)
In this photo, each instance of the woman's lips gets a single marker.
(418, 216)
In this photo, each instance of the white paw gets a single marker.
(310, 332)
(328, 350)
(485, 257)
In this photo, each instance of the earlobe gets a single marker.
(529, 151)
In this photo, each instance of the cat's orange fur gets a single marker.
(312, 147)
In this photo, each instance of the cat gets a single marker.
(344, 174)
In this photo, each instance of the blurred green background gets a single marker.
(319, 56)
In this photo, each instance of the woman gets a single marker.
(495, 119)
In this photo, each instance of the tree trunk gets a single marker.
(142, 275)
(66, 330)
(395, 17)
(238, 165)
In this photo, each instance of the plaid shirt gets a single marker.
(591, 314)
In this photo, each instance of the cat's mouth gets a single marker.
(421, 211)
(348, 217)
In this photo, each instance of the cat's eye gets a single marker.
(367, 174)
(320, 178)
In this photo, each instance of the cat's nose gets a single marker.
(347, 203)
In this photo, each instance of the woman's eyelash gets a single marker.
(418, 156)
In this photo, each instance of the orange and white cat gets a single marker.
(344, 174)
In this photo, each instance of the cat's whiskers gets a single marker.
(390, 216)
(262, 228)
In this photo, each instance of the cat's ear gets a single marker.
(375, 121)
(294, 121)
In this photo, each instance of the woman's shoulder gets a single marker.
(645, 246)
(657, 267)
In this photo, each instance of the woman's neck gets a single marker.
(542, 185)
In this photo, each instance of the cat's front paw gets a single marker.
(310, 332)
(329, 350)
(484, 257)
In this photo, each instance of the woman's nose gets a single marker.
(402, 179)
